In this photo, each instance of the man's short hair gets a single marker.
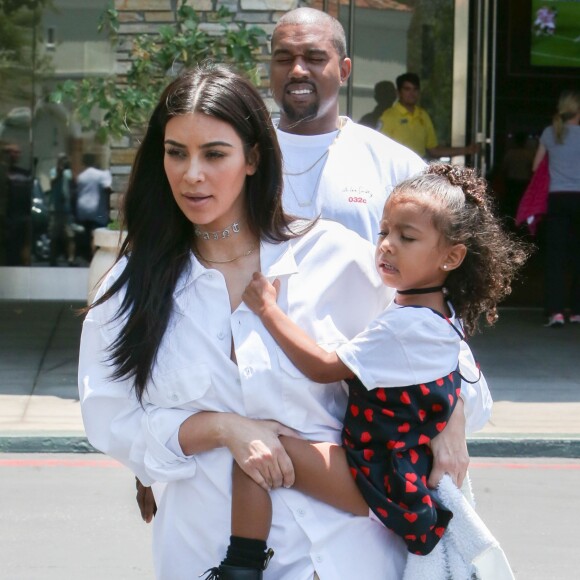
(305, 15)
(408, 77)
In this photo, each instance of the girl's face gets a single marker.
(206, 167)
(411, 253)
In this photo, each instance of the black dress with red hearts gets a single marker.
(386, 435)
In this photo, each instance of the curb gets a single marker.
(524, 447)
(568, 447)
(45, 444)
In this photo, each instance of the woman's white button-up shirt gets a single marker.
(330, 288)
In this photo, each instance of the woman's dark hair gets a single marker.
(463, 212)
(159, 236)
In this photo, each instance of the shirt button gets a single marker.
(173, 396)
(221, 335)
(248, 372)
(209, 276)
(318, 558)
(301, 512)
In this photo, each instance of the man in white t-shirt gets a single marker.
(333, 167)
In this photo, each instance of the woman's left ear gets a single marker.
(253, 160)
(455, 257)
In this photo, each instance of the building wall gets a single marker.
(146, 16)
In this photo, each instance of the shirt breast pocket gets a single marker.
(180, 387)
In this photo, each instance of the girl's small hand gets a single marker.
(260, 295)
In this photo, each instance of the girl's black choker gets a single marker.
(421, 290)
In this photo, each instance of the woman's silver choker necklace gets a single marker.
(219, 234)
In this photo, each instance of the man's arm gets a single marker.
(316, 363)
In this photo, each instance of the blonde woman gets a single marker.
(561, 142)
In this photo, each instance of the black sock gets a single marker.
(246, 553)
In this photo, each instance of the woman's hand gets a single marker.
(260, 295)
(256, 448)
(450, 450)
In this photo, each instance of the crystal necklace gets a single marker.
(324, 157)
(219, 234)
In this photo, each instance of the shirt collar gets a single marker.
(404, 111)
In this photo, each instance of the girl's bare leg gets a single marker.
(322, 472)
(251, 507)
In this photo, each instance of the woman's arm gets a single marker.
(316, 363)
(254, 444)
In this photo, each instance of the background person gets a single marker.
(561, 142)
(408, 123)
(92, 207)
(61, 214)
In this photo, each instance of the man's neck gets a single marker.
(410, 108)
(310, 127)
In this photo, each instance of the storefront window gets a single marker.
(43, 43)
(390, 37)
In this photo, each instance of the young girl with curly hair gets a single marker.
(444, 251)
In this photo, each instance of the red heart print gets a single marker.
(354, 410)
(368, 413)
(404, 428)
(381, 395)
(414, 456)
(439, 531)
(422, 414)
(388, 412)
(427, 500)
(410, 476)
(368, 454)
(423, 538)
(423, 439)
(365, 437)
(410, 517)
(424, 389)
(405, 399)
(411, 537)
(440, 382)
(451, 399)
(410, 488)
(437, 408)
(440, 426)
(382, 512)
(365, 470)
(353, 472)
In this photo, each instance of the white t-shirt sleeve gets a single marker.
(403, 346)
(476, 395)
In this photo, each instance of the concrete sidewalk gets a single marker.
(532, 372)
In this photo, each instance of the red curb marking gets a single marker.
(59, 463)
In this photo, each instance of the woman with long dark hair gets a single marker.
(177, 376)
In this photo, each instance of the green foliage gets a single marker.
(116, 105)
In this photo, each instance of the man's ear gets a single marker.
(345, 68)
(454, 258)
(253, 160)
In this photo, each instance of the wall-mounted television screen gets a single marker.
(555, 34)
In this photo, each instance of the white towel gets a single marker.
(467, 550)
